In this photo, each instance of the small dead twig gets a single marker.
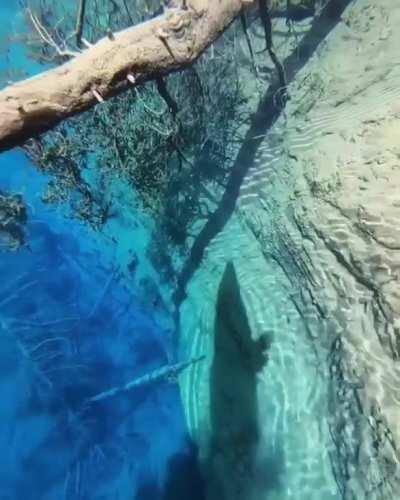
(128, 13)
(250, 47)
(267, 24)
(169, 100)
(47, 38)
(79, 22)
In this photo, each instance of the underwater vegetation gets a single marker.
(70, 329)
(12, 221)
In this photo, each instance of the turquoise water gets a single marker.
(224, 334)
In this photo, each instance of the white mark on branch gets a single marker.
(97, 95)
(131, 78)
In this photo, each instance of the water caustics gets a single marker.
(199, 294)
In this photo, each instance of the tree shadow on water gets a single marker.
(269, 109)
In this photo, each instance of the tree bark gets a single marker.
(168, 43)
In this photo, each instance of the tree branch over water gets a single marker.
(167, 43)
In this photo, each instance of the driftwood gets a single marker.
(167, 43)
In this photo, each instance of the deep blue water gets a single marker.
(70, 327)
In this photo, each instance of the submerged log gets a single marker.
(167, 43)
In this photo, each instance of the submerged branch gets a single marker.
(267, 24)
(79, 22)
(248, 41)
(168, 372)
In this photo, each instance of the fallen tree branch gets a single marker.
(170, 42)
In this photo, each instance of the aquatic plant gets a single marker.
(13, 217)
